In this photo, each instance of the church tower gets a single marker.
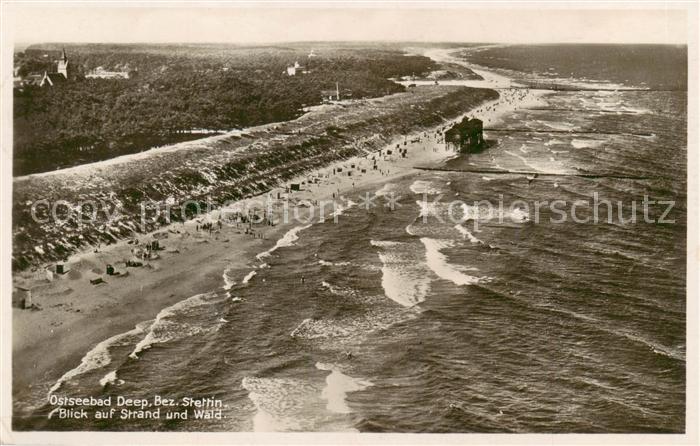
(63, 64)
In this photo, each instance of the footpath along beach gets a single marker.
(77, 316)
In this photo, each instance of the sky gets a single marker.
(227, 23)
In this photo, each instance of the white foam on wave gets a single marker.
(428, 209)
(424, 187)
(403, 279)
(466, 234)
(327, 263)
(338, 291)
(338, 385)
(287, 404)
(486, 213)
(386, 189)
(287, 240)
(518, 215)
(586, 143)
(249, 276)
(553, 141)
(438, 263)
(383, 243)
(164, 329)
(558, 125)
(300, 328)
(98, 356)
(228, 283)
(111, 378)
(335, 332)
(636, 111)
(475, 212)
(523, 159)
(275, 403)
(323, 329)
(340, 209)
(409, 229)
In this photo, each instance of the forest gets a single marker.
(173, 89)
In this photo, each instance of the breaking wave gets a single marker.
(338, 385)
(287, 240)
(437, 262)
(287, 404)
(99, 356)
(111, 378)
(403, 279)
(164, 328)
(466, 234)
(248, 276)
(424, 187)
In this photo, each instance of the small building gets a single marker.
(22, 297)
(33, 79)
(466, 136)
(293, 69)
(46, 79)
(101, 73)
(51, 79)
(331, 95)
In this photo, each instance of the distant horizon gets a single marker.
(311, 42)
(32, 23)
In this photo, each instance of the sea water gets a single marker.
(405, 323)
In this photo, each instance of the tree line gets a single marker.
(174, 89)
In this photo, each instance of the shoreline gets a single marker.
(221, 170)
(76, 315)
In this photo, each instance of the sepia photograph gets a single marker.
(376, 221)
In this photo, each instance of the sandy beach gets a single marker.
(435, 222)
(76, 315)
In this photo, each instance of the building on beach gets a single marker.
(22, 297)
(466, 136)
